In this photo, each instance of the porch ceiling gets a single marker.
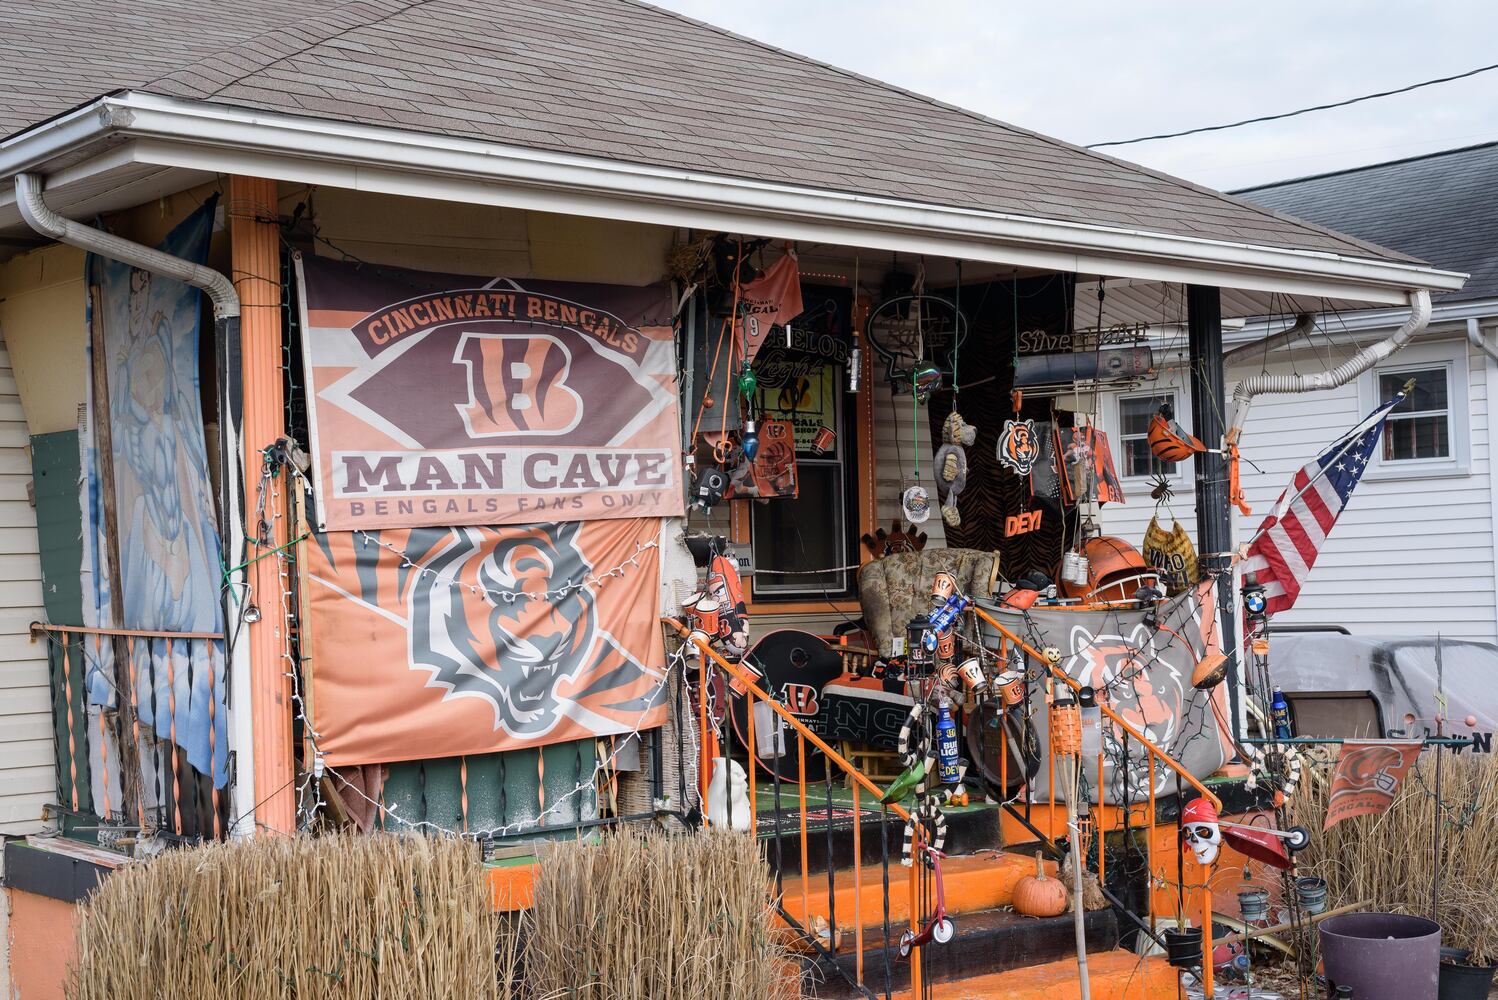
(127, 149)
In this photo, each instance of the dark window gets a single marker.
(816, 529)
(1134, 415)
(1420, 426)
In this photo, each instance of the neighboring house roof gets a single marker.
(1442, 208)
(602, 78)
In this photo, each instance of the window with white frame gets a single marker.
(1134, 415)
(1419, 428)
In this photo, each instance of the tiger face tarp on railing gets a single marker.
(438, 399)
(436, 642)
(1144, 675)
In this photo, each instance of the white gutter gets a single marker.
(40, 217)
(222, 139)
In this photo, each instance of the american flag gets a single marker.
(1285, 548)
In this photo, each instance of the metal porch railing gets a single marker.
(116, 780)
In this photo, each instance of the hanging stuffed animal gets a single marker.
(951, 464)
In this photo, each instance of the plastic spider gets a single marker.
(1160, 488)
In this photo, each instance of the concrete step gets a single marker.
(969, 829)
(986, 942)
(972, 882)
(1112, 975)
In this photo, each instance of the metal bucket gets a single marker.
(1254, 905)
(1382, 955)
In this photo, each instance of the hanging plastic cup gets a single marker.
(972, 676)
(823, 440)
(1012, 687)
(706, 612)
(769, 731)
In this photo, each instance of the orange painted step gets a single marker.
(972, 882)
(1112, 975)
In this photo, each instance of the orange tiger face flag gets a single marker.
(434, 642)
(1368, 776)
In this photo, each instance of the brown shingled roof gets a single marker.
(607, 78)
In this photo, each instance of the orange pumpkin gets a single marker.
(1038, 896)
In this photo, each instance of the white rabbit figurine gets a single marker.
(725, 785)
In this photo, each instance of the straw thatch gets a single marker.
(336, 916)
(642, 916)
(1391, 860)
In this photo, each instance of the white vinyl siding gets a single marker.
(1413, 553)
(28, 774)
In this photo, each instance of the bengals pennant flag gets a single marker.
(440, 642)
(1368, 775)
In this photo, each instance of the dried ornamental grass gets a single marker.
(1391, 859)
(638, 916)
(335, 916)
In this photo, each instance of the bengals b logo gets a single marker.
(800, 699)
(517, 385)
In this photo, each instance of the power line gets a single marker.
(1302, 111)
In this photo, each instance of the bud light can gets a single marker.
(946, 744)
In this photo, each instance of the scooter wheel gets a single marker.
(906, 941)
(943, 931)
(1299, 838)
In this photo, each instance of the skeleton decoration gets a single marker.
(1200, 830)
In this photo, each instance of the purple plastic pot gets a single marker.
(1382, 955)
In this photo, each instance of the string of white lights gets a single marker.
(508, 596)
(530, 825)
(309, 790)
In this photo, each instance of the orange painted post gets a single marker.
(801, 801)
(67, 689)
(753, 753)
(171, 701)
(857, 887)
(213, 747)
(463, 783)
(1149, 847)
(255, 251)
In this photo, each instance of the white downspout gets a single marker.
(1347, 371)
(1490, 379)
(1474, 334)
(35, 211)
(1303, 325)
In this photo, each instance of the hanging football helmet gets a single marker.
(1115, 571)
(1169, 440)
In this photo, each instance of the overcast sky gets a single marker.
(1089, 71)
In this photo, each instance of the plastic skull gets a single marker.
(1200, 830)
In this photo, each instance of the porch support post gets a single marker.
(1214, 520)
(256, 272)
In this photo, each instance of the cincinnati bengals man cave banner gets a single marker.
(440, 399)
(436, 642)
